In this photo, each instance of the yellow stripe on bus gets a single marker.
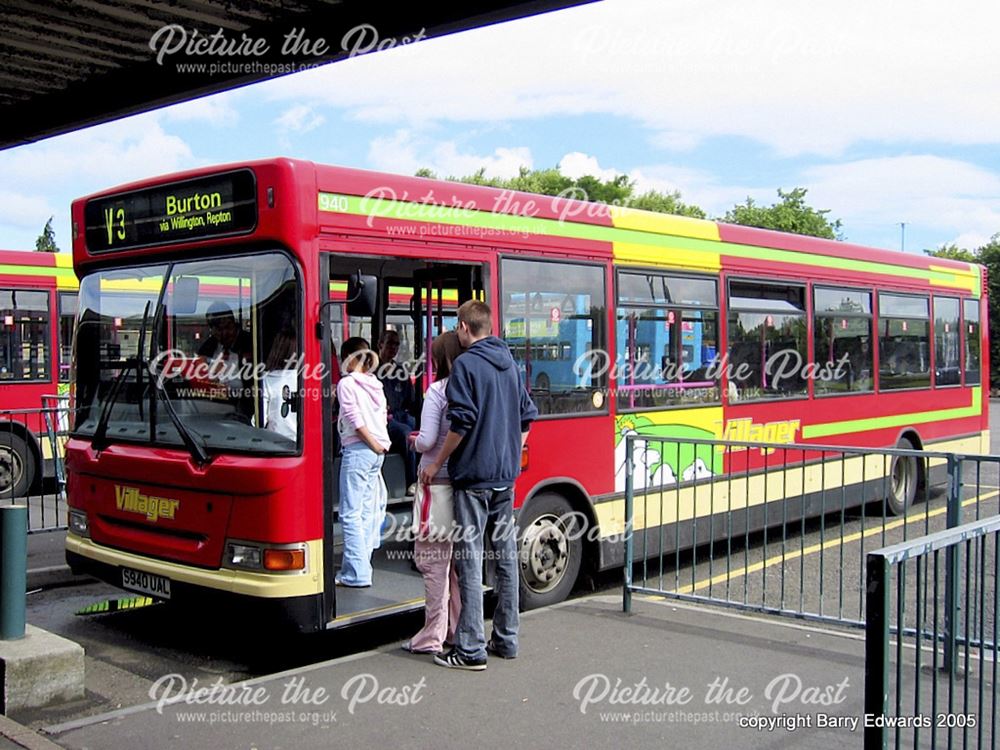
(667, 257)
(969, 279)
(831, 544)
(659, 223)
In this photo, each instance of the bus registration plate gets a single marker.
(146, 583)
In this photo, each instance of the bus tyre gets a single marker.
(903, 478)
(17, 465)
(550, 550)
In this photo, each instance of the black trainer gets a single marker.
(454, 660)
(491, 647)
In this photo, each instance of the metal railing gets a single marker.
(32, 471)
(785, 528)
(937, 596)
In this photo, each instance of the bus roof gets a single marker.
(38, 268)
(367, 200)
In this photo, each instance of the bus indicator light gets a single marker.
(284, 559)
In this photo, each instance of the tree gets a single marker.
(617, 191)
(954, 252)
(46, 242)
(989, 256)
(790, 214)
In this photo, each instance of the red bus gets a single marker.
(37, 311)
(178, 491)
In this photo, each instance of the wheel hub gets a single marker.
(544, 554)
(10, 468)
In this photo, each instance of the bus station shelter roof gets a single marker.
(69, 64)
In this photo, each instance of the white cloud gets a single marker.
(405, 153)
(98, 157)
(927, 192)
(24, 211)
(576, 165)
(802, 77)
(696, 186)
(299, 119)
(54, 172)
(969, 240)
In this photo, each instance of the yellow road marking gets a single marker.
(831, 544)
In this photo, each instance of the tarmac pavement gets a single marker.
(47, 561)
(668, 675)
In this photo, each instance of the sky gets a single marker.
(887, 111)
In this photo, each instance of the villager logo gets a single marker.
(130, 500)
(747, 431)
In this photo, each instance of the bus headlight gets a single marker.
(276, 558)
(78, 523)
(243, 556)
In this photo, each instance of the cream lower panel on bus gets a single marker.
(669, 503)
(245, 582)
(974, 444)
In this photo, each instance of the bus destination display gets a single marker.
(212, 206)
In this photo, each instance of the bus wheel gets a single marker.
(17, 466)
(550, 550)
(542, 382)
(903, 477)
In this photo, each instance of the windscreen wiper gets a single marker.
(100, 439)
(195, 448)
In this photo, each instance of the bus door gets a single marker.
(418, 300)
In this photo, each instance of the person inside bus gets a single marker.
(361, 425)
(433, 511)
(228, 350)
(228, 345)
(402, 402)
(279, 383)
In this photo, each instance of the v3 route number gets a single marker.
(114, 222)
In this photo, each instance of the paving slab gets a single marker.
(669, 675)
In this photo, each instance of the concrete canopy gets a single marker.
(68, 64)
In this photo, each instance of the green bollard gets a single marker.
(13, 570)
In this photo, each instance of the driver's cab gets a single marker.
(414, 300)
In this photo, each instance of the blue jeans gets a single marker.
(360, 500)
(476, 512)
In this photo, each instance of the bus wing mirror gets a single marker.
(185, 297)
(362, 293)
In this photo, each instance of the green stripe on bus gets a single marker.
(48, 271)
(896, 420)
(406, 211)
(457, 216)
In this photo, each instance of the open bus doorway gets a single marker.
(417, 300)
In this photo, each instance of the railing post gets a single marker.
(954, 518)
(876, 648)
(51, 416)
(629, 468)
(13, 570)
